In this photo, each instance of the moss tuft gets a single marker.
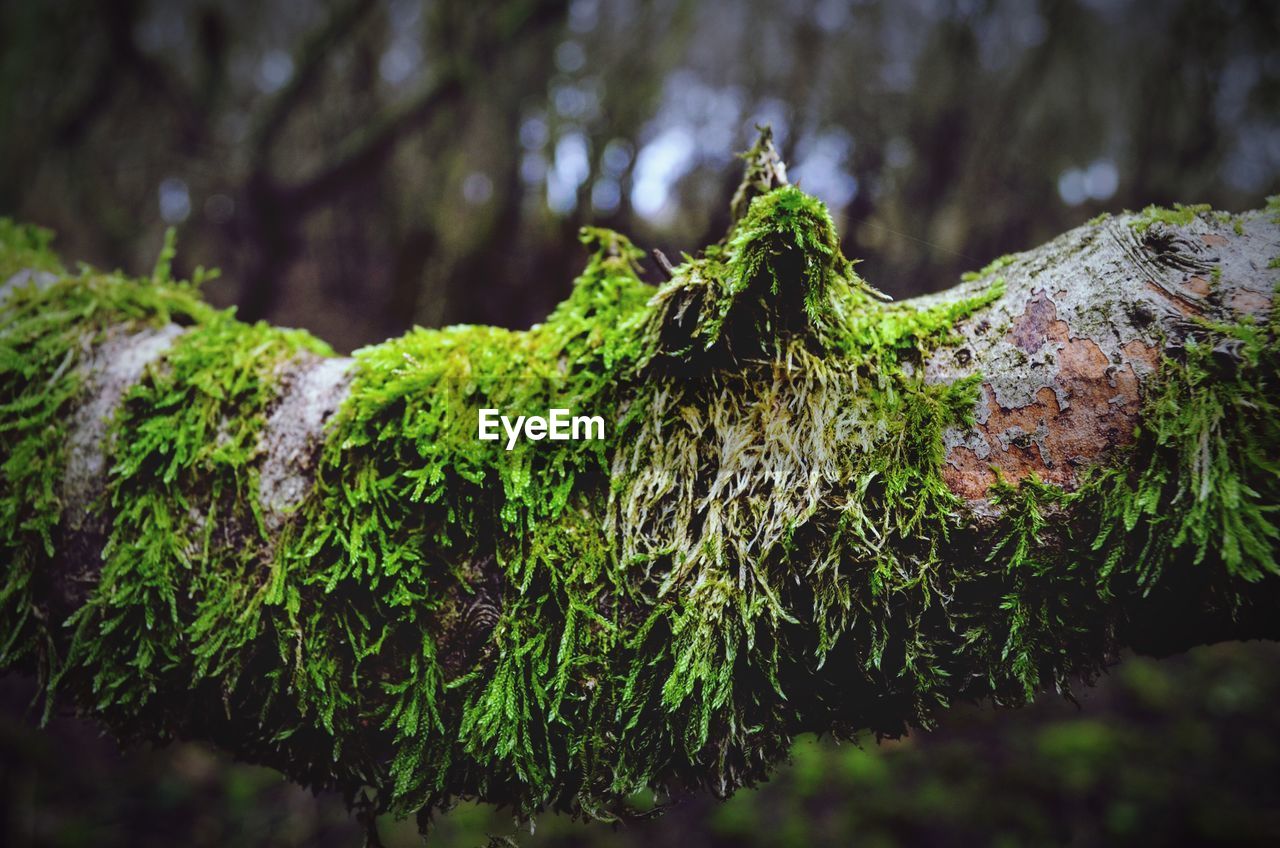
(23, 246)
(1179, 216)
(999, 264)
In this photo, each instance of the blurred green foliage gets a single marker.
(1178, 751)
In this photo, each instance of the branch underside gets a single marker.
(811, 511)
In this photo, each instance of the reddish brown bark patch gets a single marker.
(1031, 327)
(1020, 437)
(1179, 303)
(1089, 406)
(967, 474)
(1198, 285)
(1249, 302)
(1138, 352)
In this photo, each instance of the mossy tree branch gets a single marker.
(812, 511)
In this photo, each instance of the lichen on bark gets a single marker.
(788, 528)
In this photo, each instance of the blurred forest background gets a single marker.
(359, 166)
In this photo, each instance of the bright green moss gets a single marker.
(45, 336)
(639, 637)
(996, 265)
(779, 274)
(409, 498)
(898, 333)
(1179, 216)
(181, 588)
(23, 247)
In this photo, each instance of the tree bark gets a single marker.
(822, 518)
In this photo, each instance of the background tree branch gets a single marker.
(812, 511)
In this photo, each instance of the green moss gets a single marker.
(999, 264)
(24, 246)
(180, 592)
(44, 339)
(1179, 216)
(408, 500)
(1046, 611)
(780, 274)
(1209, 479)
(640, 633)
(901, 333)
